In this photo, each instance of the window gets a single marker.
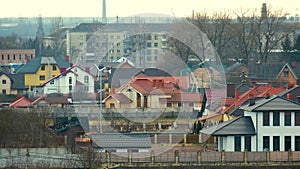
(86, 79)
(276, 119)
(4, 91)
(297, 118)
(43, 67)
(149, 37)
(286, 74)
(287, 143)
(179, 104)
(266, 119)
(237, 143)
(52, 82)
(149, 45)
(191, 104)
(155, 37)
(287, 119)
(297, 143)
(3, 81)
(42, 77)
(276, 143)
(169, 104)
(248, 143)
(80, 44)
(54, 67)
(2, 57)
(20, 56)
(266, 143)
(8, 57)
(70, 88)
(86, 88)
(149, 58)
(70, 80)
(155, 44)
(14, 56)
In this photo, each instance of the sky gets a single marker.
(124, 8)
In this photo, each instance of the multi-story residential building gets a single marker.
(142, 43)
(16, 56)
(41, 69)
(77, 38)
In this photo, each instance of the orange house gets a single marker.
(287, 75)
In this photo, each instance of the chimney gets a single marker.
(67, 58)
(252, 101)
(63, 69)
(87, 69)
(289, 96)
(113, 89)
(236, 94)
(154, 84)
(27, 58)
(104, 11)
(230, 90)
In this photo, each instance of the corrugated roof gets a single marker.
(121, 140)
(137, 27)
(264, 71)
(238, 126)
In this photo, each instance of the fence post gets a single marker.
(170, 138)
(184, 138)
(176, 156)
(268, 156)
(155, 138)
(245, 156)
(290, 155)
(129, 157)
(199, 157)
(152, 157)
(107, 158)
(223, 156)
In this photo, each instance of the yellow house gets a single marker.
(40, 69)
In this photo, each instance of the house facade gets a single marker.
(40, 69)
(269, 124)
(153, 93)
(5, 81)
(20, 56)
(69, 81)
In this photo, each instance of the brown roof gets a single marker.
(120, 97)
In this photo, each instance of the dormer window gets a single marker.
(43, 67)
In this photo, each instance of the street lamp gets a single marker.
(106, 70)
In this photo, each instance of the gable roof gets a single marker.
(17, 81)
(264, 71)
(119, 97)
(238, 126)
(287, 65)
(274, 103)
(87, 27)
(34, 64)
(243, 88)
(20, 101)
(110, 141)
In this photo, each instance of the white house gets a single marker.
(268, 124)
(70, 81)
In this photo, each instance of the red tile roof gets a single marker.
(20, 101)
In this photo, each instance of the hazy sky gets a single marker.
(122, 8)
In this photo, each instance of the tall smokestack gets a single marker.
(103, 11)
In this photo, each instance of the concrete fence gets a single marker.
(59, 157)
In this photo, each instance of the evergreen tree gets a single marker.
(297, 43)
(287, 44)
